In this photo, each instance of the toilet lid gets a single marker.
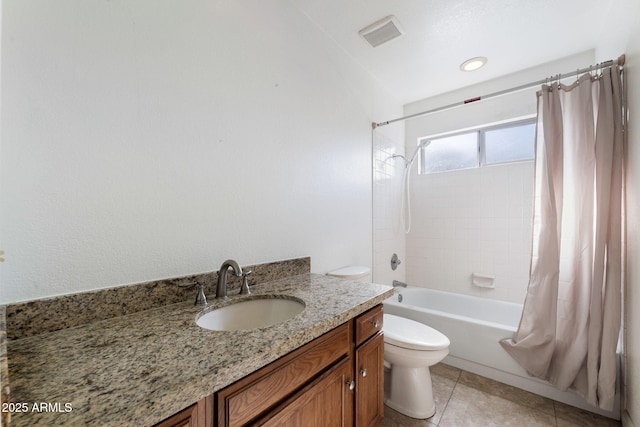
(407, 333)
(351, 272)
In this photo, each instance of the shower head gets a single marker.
(424, 143)
(409, 162)
(395, 156)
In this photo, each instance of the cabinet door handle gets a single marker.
(351, 384)
(376, 324)
(363, 372)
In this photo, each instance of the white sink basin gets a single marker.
(250, 314)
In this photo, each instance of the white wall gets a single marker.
(477, 220)
(632, 298)
(156, 138)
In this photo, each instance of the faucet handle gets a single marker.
(200, 296)
(244, 289)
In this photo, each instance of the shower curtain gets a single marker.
(571, 319)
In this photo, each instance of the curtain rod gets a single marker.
(619, 62)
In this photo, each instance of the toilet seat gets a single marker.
(351, 272)
(409, 334)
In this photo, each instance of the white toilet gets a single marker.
(352, 272)
(410, 348)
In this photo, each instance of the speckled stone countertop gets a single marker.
(5, 417)
(138, 369)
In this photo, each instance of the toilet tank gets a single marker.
(359, 273)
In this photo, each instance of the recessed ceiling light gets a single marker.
(473, 63)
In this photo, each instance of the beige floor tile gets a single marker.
(446, 371)
(470, 407)
(507, 392)
(568, 416)
(464, 399)
(443, 386)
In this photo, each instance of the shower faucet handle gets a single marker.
(395, 261)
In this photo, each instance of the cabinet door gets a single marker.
(199, 414)
(261, 392)
(370, 382)
(368, 324)
(185, 418)
(327, 402)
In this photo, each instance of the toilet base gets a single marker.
(411, 392)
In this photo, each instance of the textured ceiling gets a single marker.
(441, 34)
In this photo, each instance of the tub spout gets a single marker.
(398, 284)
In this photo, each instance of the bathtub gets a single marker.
(475, 326)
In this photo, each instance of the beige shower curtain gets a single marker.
(570, 324)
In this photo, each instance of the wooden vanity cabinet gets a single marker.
(369, 369)
(327, 401)
(260, 395)
(335, 380)
(349, 394)
(197, 415)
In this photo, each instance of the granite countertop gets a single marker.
(141, 368)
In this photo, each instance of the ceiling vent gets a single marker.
(381, 31)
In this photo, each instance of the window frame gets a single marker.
(481, 149)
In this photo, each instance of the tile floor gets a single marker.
(464, 399)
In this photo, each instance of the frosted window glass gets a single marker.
(510, 144)
(450, 153)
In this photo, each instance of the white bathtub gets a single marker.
(475, 326)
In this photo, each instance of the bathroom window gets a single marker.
(489, 145)
(450, 153)
(509, 143)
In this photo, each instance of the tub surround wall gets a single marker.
(475, 220)
(44, 315)
(388, 235)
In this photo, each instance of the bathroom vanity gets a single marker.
(157, 367)
(337, 379)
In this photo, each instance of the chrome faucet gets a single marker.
(398, 284)
(221, 287)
